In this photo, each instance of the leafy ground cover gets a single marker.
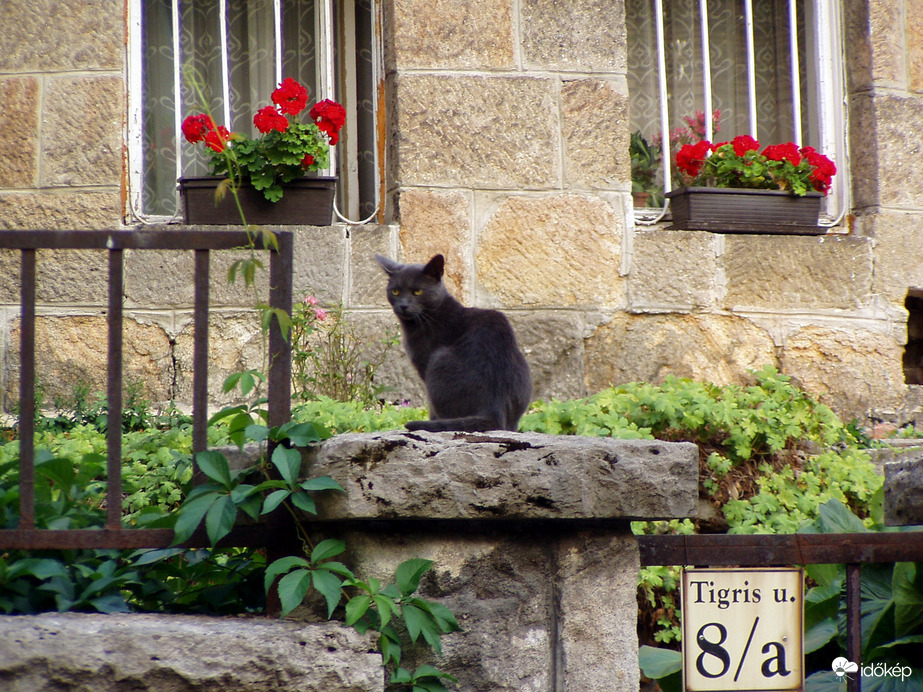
(772, 460)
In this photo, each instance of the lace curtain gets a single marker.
(727, 52)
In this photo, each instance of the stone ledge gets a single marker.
(904, 491)
(176, 652)
(504, 476)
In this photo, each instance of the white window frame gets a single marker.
(824, 18)
(325, 28)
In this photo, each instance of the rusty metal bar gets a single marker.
(27, 391)
(200, 353)
(280, 347)
(128, 240)
(114, 393)
(854, 624)
(113, 535)
(776, 550)
(248, 536)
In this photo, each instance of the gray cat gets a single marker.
(476, 378)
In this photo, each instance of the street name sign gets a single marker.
(743, 629)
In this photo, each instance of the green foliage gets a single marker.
(891, 597)
(331, 358)
(423, 679)
(352, 416)
(218, 502)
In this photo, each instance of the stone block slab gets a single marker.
(647, 348)
(403, 475)
(18, 130)
(797, 272)
(60, 210)
(62, 277)
(55, 35)
(166, 653)
(437, 222)
(444, 135)
(367, 282)
(673, 270)
(554, 250)
(853, 371)
(552, 342)
(71, 351)
(594, 118)
(904, 491)
(574, 36)
(82, 131)
(445, 34)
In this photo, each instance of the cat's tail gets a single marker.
(465, 424)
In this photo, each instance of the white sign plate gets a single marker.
(742, 629)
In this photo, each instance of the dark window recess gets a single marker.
(913, 352)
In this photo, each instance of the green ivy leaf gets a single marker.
(215, 466)
(356, 607)
(190, 515)
(330, 586)
(408, 574)
(304, 502)
(293, 587)
(326, 549)
(288, 463)
(281, 566)
(219, 520)
(274, 499)
(321, 483)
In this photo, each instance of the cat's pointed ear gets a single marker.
(435, 267)
(388, 264)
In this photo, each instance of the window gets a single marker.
(768, 68)
(241, 50)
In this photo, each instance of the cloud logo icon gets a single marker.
(841, 666)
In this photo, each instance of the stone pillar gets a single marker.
(530, 538)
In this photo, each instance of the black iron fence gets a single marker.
(202, 243)
(850, 549)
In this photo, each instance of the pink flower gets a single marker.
(310, 300)
(320, 314)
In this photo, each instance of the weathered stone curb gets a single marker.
(175, 653)
(504, 475)
(904, 492)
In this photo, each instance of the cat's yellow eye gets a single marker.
(395, 291)
(418, 291)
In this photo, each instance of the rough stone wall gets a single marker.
(62, 90)
(507, 151)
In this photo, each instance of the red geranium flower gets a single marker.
(195, 127)
(290, 97)
(824, 169)
(268, 118)
(690, 157)
(744, 143)
(783, 152)
(330, 117)
(307, 160)
(218, 139)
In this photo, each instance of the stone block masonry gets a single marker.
(530, 540)
(174, 653)
(532, 551)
